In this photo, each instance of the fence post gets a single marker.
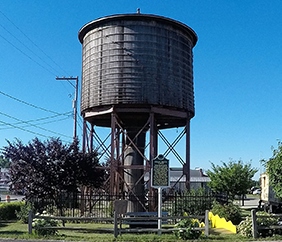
(254, 224)
(115, 224)
(30, 218)
(207, 223)
(175, 205)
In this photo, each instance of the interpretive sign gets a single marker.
(160, 172)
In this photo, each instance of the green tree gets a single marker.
(274, 170)
(233, 178)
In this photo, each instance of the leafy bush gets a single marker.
(40, 224)
(22, 214)
(245, 227)
(8, 210)
(185, 229)
(110, 209)
(228, 211)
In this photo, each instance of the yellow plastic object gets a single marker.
(221, 223)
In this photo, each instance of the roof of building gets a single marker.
(176, 174)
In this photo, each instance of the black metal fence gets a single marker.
(101, 205)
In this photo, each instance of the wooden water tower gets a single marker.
(137, 79)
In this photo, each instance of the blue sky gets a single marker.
(237, 71)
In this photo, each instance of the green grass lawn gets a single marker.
(246, 212)
(252, 195)
(17, 230)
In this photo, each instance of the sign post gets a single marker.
(160, 179)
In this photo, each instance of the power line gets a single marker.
(27, 48)
(27, 55)
(74, 100)
(24, 126)
(41, 119)
(49, 117)
(48, 70)
(29, 131)
(47, 130)
(33, 42)
(39, 60)
(52, 72)
(29, 104)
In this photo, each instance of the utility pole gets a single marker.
(74, 100)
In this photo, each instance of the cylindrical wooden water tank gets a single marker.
(137, 60)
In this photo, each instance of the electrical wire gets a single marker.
(27, 56)
(53, 72)
(25, 126)
(19, 123)
(45, 66)
(40, 119)
(29, 104)
(29, 131)
(28, 48)
(33, 42)
(33, 125)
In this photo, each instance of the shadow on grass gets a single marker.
(14, 232)
(213, 231)
(224, 232)
(4, 223)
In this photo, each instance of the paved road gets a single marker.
(12, 197)
(249, 202)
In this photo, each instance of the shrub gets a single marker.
(8, 210)
(245, 227)
(267, 221)
(110, 209)
(228, 211)
(40, 224)
(22, 214)
(185, 229)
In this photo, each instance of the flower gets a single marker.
(39, 224)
